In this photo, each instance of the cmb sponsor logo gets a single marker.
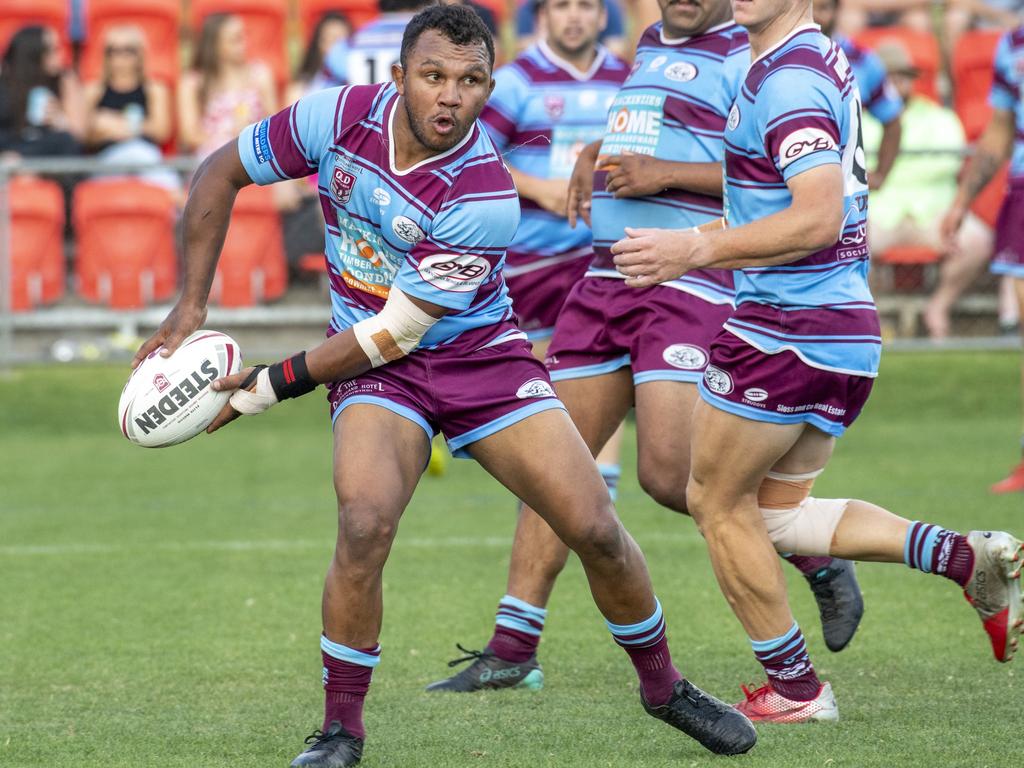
(187, 390)
(535, 388)
(685, 356)
(717, 380)
(458, 273)
(805, 141)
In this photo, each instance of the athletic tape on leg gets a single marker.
(797, 522)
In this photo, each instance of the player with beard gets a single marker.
(615, 347)
(420, 211)
(793, 366)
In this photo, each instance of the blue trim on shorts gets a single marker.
(756, 414)
(1015, 271)
(540, 334)
(585, 371)
(458, 443)
(401, 410)
(688, 377)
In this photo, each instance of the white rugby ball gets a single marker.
(168, 400)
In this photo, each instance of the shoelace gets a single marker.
(826, 594)
(316, 736)
(470, 656)
(757, 693)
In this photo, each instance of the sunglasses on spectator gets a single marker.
(127, 50)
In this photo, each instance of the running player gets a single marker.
(367, 57)
(1002, 140)
(614, 346)
(547, 105)
(420, 211)
(794, 364)
(878, 95)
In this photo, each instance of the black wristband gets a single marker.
(290, 378)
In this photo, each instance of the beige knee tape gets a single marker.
(806, 529)
(781, 491)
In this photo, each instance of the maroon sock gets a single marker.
(953, 557)
(656, 671)
(808, 565)
(512, 645)
(345, 687)
(788, 666)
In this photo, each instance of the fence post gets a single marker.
(6, 275)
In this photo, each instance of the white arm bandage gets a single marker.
(257, 401)
(393, 332)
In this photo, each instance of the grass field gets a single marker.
(161, 608)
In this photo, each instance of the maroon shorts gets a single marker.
(540, 288)
(661, 333)
(780, 388)
(465, 392)
(1009, 247)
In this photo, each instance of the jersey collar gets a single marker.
(688, 38)
(389, 123)
(799, 30)
(568, 68)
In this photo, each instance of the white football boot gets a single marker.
(766, 705)
(994, 588)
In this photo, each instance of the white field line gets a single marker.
(271, 545)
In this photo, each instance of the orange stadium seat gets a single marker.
(359, 12)
(972, 78)
(159, 21)
(988, 202)
(37, 242)
(253, 266)
(922, 47)
(266, 23)
(125, 233)
(498, 7)
(908, 267)
(15, 14)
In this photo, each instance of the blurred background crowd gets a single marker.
(131, 84)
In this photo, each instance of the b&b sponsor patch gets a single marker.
(458, 273)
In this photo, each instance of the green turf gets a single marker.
(161, 608)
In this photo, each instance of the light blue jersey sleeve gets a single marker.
(799, 117)
(289, 145)
(464, 251)
(504, 109)
(1005, 91)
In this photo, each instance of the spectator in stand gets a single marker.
(920, 187)
(128, 117)
(225, 91)
(298, 201)
(878, 96)
(332, 28)
(40, 103)
(963, 15)
(613, 38)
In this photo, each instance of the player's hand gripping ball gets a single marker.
(168, 400)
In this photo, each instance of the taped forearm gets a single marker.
(393, 332)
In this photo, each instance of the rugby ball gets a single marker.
(168, 400)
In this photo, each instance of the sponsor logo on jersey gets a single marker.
(535, 388)
(734, 117)
(554, 105)
(755, 394)
(685, 356)
(457, 273)
(161, 382)
(681, 71)
(381, 197)
(341, 185)
(804, 141)
(261, 142)
(657, 63)
(187, 390)
(588, 99)
(645, 122)
(407, 229)
(717, 380)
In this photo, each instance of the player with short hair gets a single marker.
(794, 364)
(660, 161)
(420, 211)
(1002, 140)
(877, 93)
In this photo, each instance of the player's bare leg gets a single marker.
(741, 470)
(369, 442)
(544, 461)
(958, 270)
(1014, 482)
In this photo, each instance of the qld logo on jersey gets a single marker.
(680, 72)
(554, 105)
(341, 185)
